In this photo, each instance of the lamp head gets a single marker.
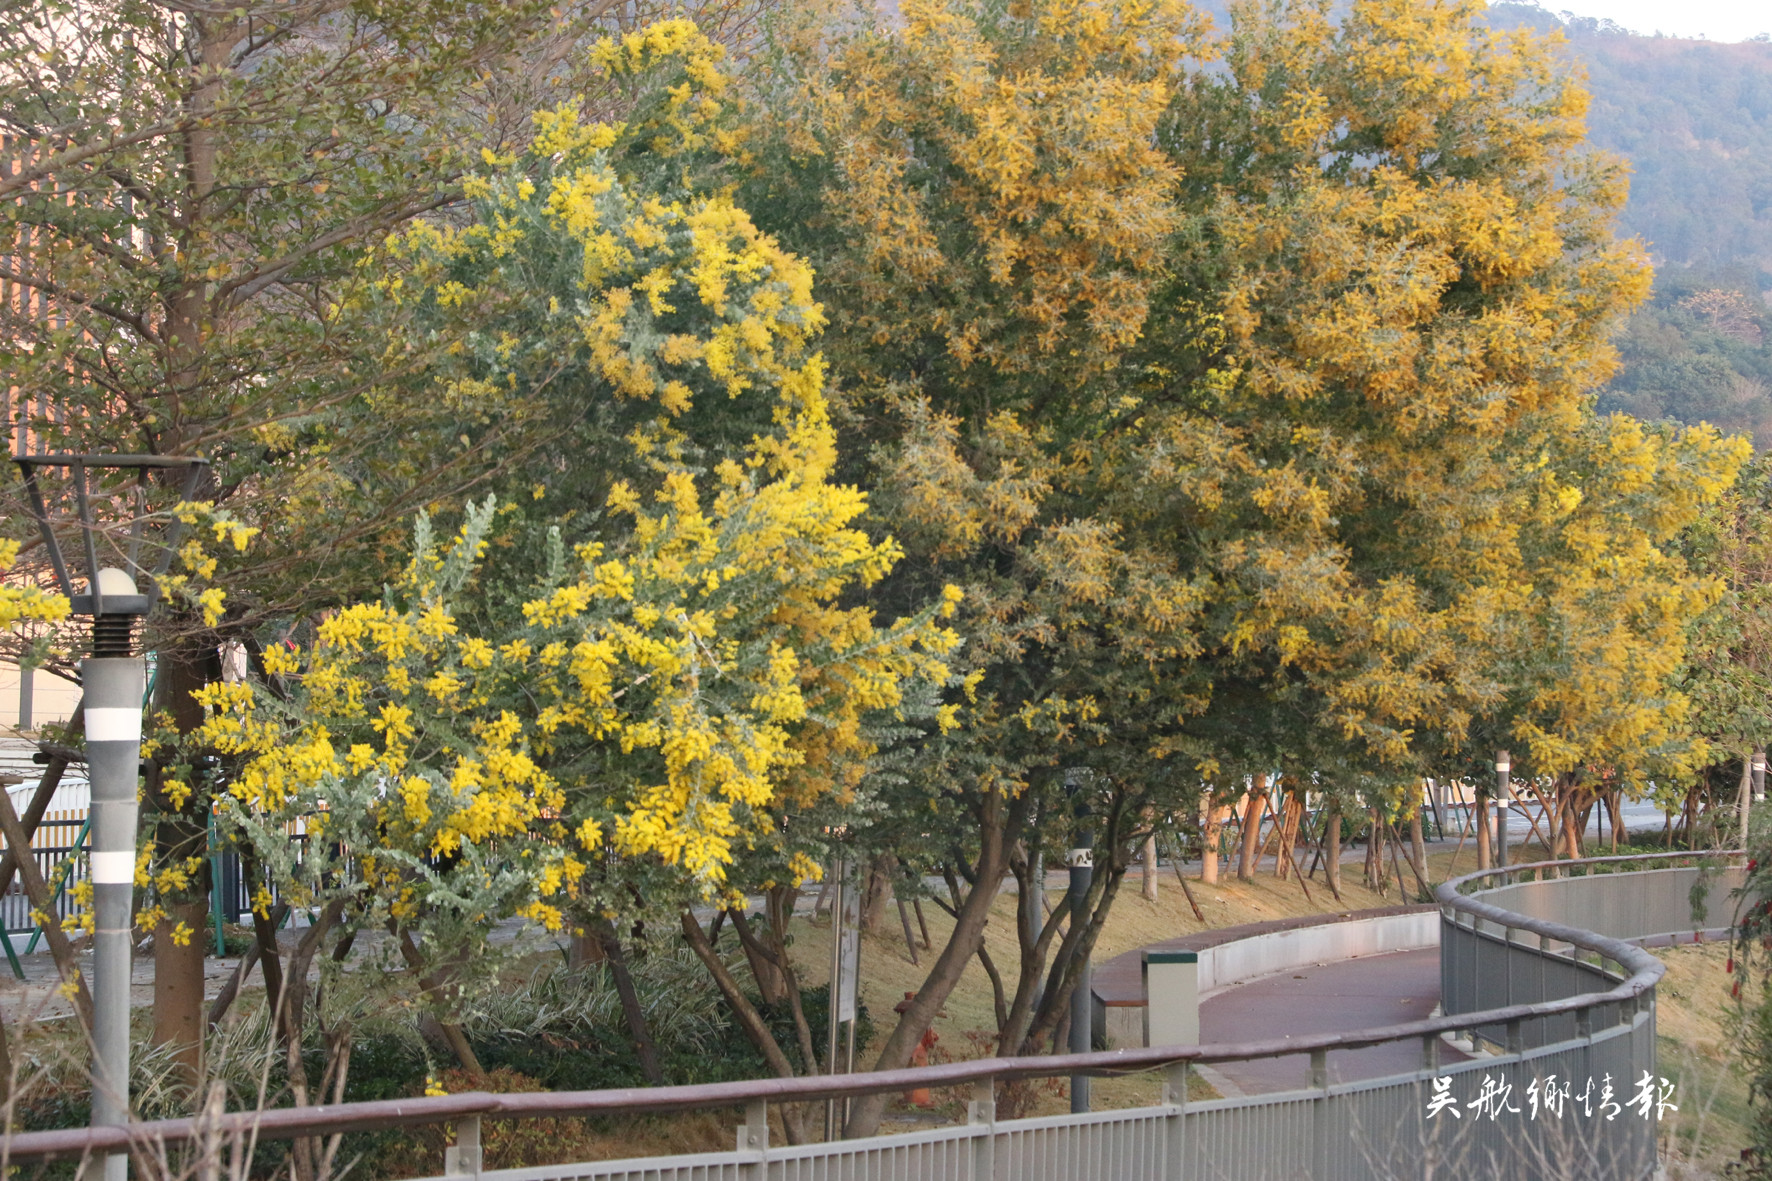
(117, 595)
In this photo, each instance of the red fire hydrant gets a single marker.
(918, 1096)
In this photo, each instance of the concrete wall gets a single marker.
(52, 699)
(1243, 960)
(1638, 905)
(1230, 964)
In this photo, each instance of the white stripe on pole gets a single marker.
(113, 869)
(113, 724)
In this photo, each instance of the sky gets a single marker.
(1719, 20)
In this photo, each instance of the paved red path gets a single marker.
(1366, 993)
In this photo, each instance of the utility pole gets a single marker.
(1504, 794)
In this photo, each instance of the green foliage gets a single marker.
(1700, 351)
(1729, 672)
(1752, 964)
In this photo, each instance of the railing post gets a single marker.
(753, 1134)
(1430, 1052)
(462, 1159)
(1175, 1140)
(981, 1111)
(1320, 1114)
(1175, 1085)
(982, 1107)
(753, 1137)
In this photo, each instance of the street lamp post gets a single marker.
(113, 678)
(1081, 859)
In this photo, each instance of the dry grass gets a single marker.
(1698, 1028)
(967, 1018)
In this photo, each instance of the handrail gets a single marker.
(1506, 871)
(289, 1122)
(1625, 955)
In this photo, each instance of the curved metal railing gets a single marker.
(1356, 1129)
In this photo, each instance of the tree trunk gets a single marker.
(773, 955)
(1149, 861)
(877, 892)
(583, 950)
(182, 835)
(306, 1153)
(1211, 821)
(231, 990)
(178, 984)
(1292, 812)
(1417, 846)
(997, 819)
(1332, 847)
(772, 982)
(779, 904)
(1374, 871)
(1034, 940)
(37, 891)
(264, 933)
(749, 1019)
(442, 993)
(631, 1010)
(33, 817)
(1065, 975)
(1485, 834)
(1252, 811)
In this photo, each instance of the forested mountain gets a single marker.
(1695, 120)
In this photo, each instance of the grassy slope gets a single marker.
(1698, 1031)
(964, 1028)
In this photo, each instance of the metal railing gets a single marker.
(56, 841)
(1591, 1016)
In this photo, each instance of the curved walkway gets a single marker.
(1370, 989)
(1366, 993)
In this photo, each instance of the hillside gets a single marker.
(1695, 120)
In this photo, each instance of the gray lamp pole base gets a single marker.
(114, 687)
(1082, 864)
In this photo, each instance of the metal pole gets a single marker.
(1082, 864)
(1758, 791)
(27, 683)
(113, 686)
(1504, 794)
(830, 1105)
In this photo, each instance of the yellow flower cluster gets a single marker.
(19, 604)
(694, 673)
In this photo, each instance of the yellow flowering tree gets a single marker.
(555, 714)
(1413, 272)
(1241, 400)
